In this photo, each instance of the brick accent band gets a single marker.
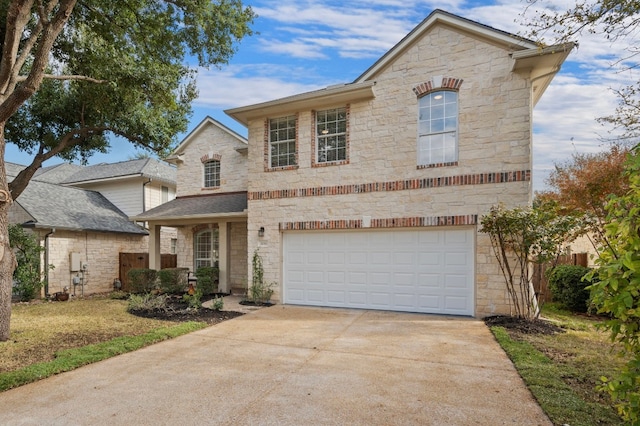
(398, 222)
(398, 185)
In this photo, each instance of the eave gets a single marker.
(540, 65)
(329, 96)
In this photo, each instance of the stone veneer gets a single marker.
(100, 250)
(212, 143)
(382, 185)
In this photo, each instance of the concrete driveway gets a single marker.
(288, 365)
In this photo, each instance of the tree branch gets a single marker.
(67, 77)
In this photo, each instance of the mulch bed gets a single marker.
(524, 326)
(207, 315)
(177, 310)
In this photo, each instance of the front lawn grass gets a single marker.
(563, 370)
(51, 337)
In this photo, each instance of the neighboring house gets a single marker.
(133, 186)
(80, 215)
(369, 194)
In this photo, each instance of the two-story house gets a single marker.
(369, 194)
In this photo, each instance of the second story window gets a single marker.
(282, 142)
(331, 134)
(212, 174)
(165, 194)
(438, 128)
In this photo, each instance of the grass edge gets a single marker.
(70, 359)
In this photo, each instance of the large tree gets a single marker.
(582, 186)
(74, 72)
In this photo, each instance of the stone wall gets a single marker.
(100, 251)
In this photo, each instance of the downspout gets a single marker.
(46, 261)
(144, 204)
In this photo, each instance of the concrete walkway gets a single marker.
(288, 365)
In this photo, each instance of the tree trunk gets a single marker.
(7, 259)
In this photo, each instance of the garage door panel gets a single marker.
(428, 271)
(357, 258)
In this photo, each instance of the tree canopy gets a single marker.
(582, 186)
(117, 70)
(73, 71)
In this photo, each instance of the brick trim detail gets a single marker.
(398, 185)
(434, 165)
(210, 157)
(203, 227)
(398, 222)
(437, 83)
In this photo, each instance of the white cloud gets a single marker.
(242, 85)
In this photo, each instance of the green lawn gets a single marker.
(563, 370)
(51, 337)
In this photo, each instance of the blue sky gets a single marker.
(304, 45)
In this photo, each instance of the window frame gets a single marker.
(211, 178)
(290, 140)
(334, 131)
(206, 253)
(427, 135)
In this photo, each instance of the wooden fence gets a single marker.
(540, 282)
(130, 261)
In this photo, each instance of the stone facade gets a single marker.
(99, 250)
(209, 142)
(381, 185)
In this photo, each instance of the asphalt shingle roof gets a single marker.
(145, 167)
(55, 206)
(200, 205)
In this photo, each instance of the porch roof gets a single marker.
(197, 207)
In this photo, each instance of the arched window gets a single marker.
(438, 128)
(205, 251)
(212, 174)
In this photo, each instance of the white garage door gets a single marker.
(413, 271)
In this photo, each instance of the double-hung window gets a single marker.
(282, 142)
(438, 128)
(212, 174)
(331, 135)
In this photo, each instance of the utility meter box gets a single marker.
(74, 262)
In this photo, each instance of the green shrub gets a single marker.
(568, 288)
(142, 280)
(146, 302)
(194, 300)
(172, 280)
(218, 304)
(207, 279)
(118, 295)
(26, 277)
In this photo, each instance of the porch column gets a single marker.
(223, 256)
(154, 246)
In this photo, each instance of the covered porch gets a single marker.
(211, 231)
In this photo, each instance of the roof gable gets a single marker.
(440, 17)
(208, 121)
